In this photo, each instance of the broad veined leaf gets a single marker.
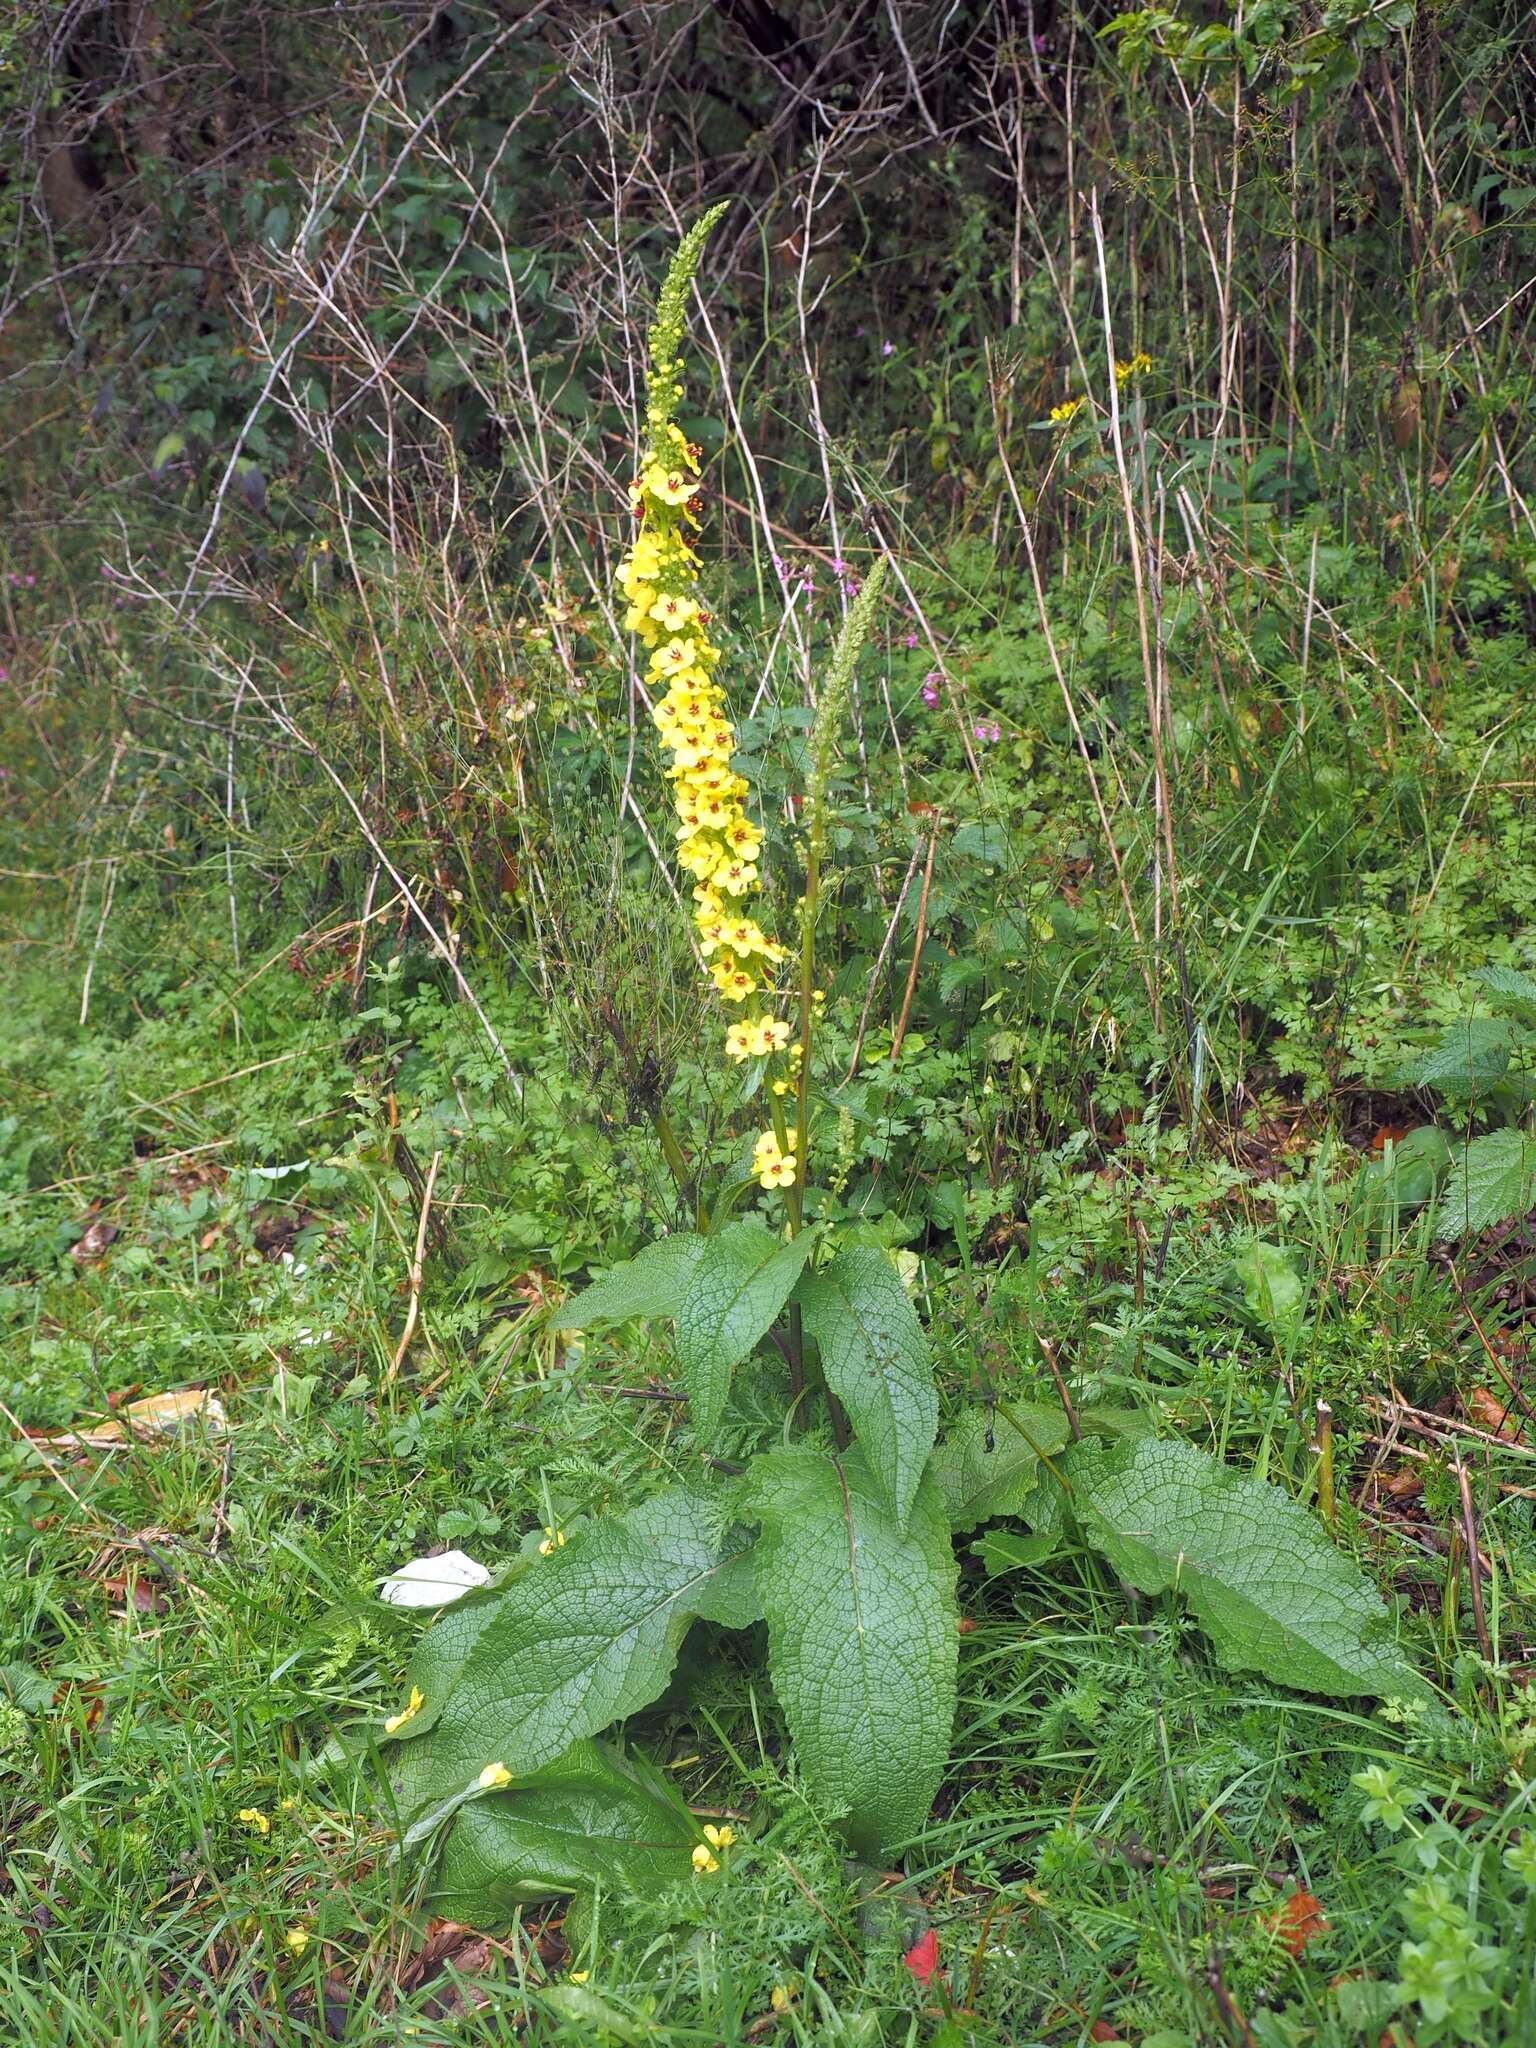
(593, 1817)
(1472, 1055)
(1274, 1593)
(741, 1281)
(651, 1284)
(1492, 1179)
(581, 1639)
(1511, 990)
(989, 1462)
(862, 1638)
(874, 1353)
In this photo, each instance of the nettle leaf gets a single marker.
(1273, 1592)
(874, 1353)
(651, 1284)
(1472, 1056)
(593, 1817)
(1509, 987)
(1491, 1180)
(581, 1639)
(739, 1284)
(862, 1638)
(988, 1464)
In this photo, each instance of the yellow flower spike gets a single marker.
(408, 1712)
(253, 1817)
(703, 1860)
(495, 1778)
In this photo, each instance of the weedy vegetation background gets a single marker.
(1179, 1031)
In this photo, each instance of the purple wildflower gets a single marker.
(909, 639)
(887, 348)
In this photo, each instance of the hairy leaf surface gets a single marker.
(577, 1642)
(988, 1463)
(593, 1817)
(1274, 1593)
(874, 1352)
(862, 1638)
(651, 1284)
(741, 1281)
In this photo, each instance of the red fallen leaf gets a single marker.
(1101, 2030)
(922, 1959)
(1298, 1920)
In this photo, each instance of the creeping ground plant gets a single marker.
(837, 1533)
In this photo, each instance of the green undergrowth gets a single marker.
(193, 1621)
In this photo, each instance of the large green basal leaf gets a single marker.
(862, 1638)
(594, 1817)
(651, 1284)
(741, 1281)
(577, 1642)
(874, 1353)
(1274, 1593)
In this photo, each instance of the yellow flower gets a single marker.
(1124, 372)
(579, 1976)
(254, 1818)
(739, 1040)
(733, 981)
(672, 656)
(408, 1713)
(703, 1861)
(780, 1998)
(777, 1173)
(719, 1838)
(736, 876)
(673, 610)
(297, 1939)
(672, 486)
(495, 1778)
(768, 1035)
(554, 1539)
(1068, 409)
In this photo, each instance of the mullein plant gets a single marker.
(834, 1526)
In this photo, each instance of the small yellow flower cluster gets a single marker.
(1068, 409)
(253, 1817)
(704, 1857)
(408, 1712)
(554, 1539)
(717, 843)
(774, 1168)
(1139, 363)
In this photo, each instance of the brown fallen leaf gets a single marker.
(156, 1415)
(1298, 1920)
(1489, 1412)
